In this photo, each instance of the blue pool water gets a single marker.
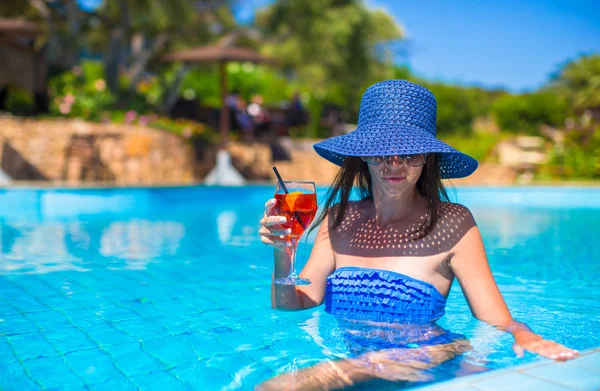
(124, 289)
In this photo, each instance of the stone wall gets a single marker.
(72, 151)
(76, 151)
(307, 165)
(254, 161)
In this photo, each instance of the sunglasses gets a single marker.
(411, 160)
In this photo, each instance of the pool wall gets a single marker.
(65, 203)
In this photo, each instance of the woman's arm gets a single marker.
(320, 264)
(471, 268)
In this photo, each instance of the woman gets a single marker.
(388, 261)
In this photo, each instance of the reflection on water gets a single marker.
(509, 227)
(134, 244)
(333, 346)
(243, 236)
(40, 248)
(388, 354)
(44, 247)
(76, 246)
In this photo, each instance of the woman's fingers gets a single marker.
(275, 237)
(560, 352)
(518, 349)
(271, 232)
(269, 221)
(269, 205)
(551, 350)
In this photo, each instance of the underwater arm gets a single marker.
(320, 264)
(471, 267)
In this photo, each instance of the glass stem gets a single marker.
(294, 242)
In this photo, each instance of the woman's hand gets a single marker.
(271, 232)
(536, 344)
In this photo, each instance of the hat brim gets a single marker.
(404, 140)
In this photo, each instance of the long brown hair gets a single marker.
(356, 172)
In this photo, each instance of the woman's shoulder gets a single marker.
(455, 209)
(456, 218)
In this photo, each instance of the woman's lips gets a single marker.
(398, 179)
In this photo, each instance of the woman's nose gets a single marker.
(395, 160)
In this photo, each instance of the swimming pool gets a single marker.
(168, 288)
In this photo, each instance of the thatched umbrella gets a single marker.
(221, 54)
(18, 28)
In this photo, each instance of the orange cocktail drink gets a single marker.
(299, 209)
(297, 201)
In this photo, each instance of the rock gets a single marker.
(77, 151)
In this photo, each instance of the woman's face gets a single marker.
(394, 175)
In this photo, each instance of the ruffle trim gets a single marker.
(379, 295)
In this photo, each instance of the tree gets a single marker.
(336, 48)
(133, 31)
(20, 9)
(127, 34)
(525, 113)
(579, 82)
(455, 113)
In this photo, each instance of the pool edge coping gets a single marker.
(469, 380)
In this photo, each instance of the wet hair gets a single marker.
(355, 172)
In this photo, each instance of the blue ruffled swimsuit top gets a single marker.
(365, 294)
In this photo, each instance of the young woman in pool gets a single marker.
(388, 261)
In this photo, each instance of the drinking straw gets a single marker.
(285, 190)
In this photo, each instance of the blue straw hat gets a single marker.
(397, 117)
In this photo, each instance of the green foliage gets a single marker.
(402, 72)
(144, 97)
(579, 82)
(455, 113)
(18, 9)
(249, 80)
(481, 100)
(19, 102)
(183, 20)
(81, 92)
(525, 113)
(477, 145)
(329, 51)
(579, 158)
(457, 106)
(184, 128)
(245, 78)
(335, 47)
(204, 84)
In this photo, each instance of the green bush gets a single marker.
(184, 128)
(525, 113)
(579, 82)
(454, 111)
(244, 78)
(478, 145)
(579, 158)
(19, 102)
(81, 92)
